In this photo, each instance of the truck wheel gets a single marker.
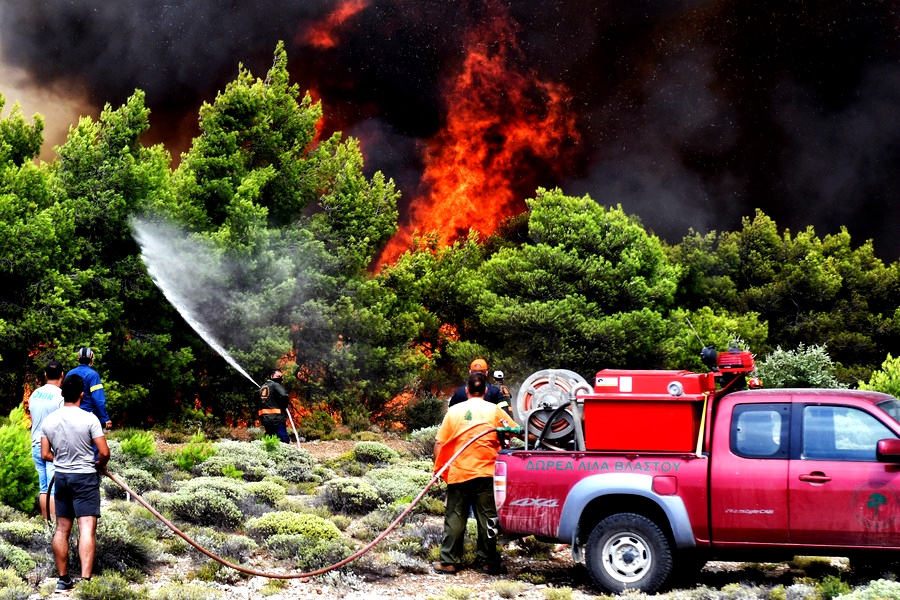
(628, 551)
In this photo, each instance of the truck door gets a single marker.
(839, 493)
(748, 499)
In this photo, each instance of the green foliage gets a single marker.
(195, 452)
(15, 558)
(397, 483)
(28, 535)
(231, 472)
(205, 507)
(281, 522)
(802, 368)
(562, 593)
(351, 496)
(12, 587)
(308, 553)
(832, 586)
(422, 442)
(139, 480)
(508, 589)
(108, 586)
(875, 590)
(271, 442)
(267, 492)
(425, 412)
(18, 478)
(119, 546)
(231, 489)
(886, 379)
(140, 445)
(185, 591)
(373, 452)
(458, 593)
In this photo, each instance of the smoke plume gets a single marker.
(688, 113)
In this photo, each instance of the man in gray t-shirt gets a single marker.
(68, 437)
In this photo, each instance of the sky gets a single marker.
(689, 114)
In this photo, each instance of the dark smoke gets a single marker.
(691, 114)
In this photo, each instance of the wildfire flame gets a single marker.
(499, 117)
(325, 33)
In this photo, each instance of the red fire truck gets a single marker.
(648, 474)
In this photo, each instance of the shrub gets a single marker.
(139, 480)
(508, 589)
(28, 535)
(350, 495)
(232, 473)
(563, 593)
(426, 412)
(805, 367)
(109, 586)
(271, 442)
(233, 490)
(886, 379)
(832, 586)
(197, 451)
(876, 590)
(251, 458)
(205, 507)
(139, 444)
(267, 492)
(318, 423)
(421, 442)
(396, 483)
(119, 548)
(232, 547)
(281, 522)
(373, 452)
(12, 587)
(357, 419)
(185, 591)
(18, 478)
(16, 558)
(309, 553)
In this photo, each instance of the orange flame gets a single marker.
(325, 33)
(499, 117)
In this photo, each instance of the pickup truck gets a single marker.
(775, 473)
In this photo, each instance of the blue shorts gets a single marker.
(44, 469)
(77, 495)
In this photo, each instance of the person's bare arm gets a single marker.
(46, 451)
(102, 450)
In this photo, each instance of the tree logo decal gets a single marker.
(876, 505)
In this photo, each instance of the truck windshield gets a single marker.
(892, 407)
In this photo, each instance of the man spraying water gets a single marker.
(272, 406)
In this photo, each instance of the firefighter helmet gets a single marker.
(479, 364)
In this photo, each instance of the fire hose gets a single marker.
(360, 552)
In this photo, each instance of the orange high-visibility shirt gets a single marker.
(462, 422)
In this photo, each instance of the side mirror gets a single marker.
(888, 450)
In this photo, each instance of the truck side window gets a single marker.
(841, 433)
(760, 430)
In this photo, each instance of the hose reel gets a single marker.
(544, 408)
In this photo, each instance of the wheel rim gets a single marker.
(626, 557)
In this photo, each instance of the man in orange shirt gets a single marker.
(470, 477)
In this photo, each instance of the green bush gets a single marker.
(508, 589)
(195, 452)
(109, 586)
(421, 442)
(426, 412)
(357, 419)
(317, 424)
(139, 444)
(351, 496)
(236, 548)
(205, 507)
(282, 522)
(232, 489)
(396, 483)
(16, 558)
(252, 459)
(880, 589)
(805, 367)
(185, 591)
(139, 480)
(373, 452)
(28, 535)
(308, 553)
(18, 478)
(118, 547)
(267, 492)
(832, 586)
(887, 379)
(12, 587)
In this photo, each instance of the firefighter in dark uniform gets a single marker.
(493, 394)
(273, 403)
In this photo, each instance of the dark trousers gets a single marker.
(477, 494)
(279, 430)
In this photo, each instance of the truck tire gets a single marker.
(628, 551)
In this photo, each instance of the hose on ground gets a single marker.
(337, 565)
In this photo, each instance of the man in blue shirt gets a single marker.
(94, 400)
